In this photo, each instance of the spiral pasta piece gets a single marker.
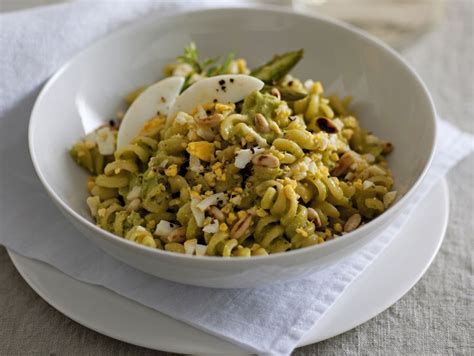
(141, 236)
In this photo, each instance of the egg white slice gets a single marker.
(228, 88)
(158, 98)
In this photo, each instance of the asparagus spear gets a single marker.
(278, 67)
(286, 94)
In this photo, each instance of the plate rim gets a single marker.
(444, 225)
(304, 342)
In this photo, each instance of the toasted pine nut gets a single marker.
(344, 164)
(276, 93)
(216, 213)
(388, 198)
(210, 121)
(352, 223)
(314, 217)
(261, 123)
(134, 204)
(327, 125)
(178, 235)
(266, 160)
(240, 227)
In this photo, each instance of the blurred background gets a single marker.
(397, 22)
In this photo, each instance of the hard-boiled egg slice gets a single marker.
(228, 88)
(159, 97)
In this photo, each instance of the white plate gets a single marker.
(392, 275)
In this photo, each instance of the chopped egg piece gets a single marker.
(190, 246)
(212, 228)
(105, 141)
(201, 149)
(197, 213)
(201, 250)
(211, 200)
(154, 100)
(227, 88)
(164, 228)
(244, 156)
(134, 193)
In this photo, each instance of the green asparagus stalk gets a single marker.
(286, 94)
(278, 67)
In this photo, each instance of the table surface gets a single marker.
(435, 317)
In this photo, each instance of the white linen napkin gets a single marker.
(265, 320)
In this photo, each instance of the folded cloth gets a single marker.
(265, 320)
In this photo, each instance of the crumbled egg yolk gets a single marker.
(154, 123)
(226, 209)
(223, 227)
(90, 183)
(194, 194)
(302, 232)
(210, 178)
(220, 108)
(201, 149)
(219, 173)
(197, 188)
(231, 218)
(216, 165)
(358, 184)
(151, 224)
(242, 214)
(172, 170)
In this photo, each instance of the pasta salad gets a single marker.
(239, 162)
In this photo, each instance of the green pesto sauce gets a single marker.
(134, 219)
(257, 102)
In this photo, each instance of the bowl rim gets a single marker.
(272, 9)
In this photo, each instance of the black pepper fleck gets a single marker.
(223, 88)
(163, 99)
(208, 112)
(222, 82)
(111, 123)
(231, 80)
(214, 101)
(290, 83)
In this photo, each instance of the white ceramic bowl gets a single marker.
(390, 100)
